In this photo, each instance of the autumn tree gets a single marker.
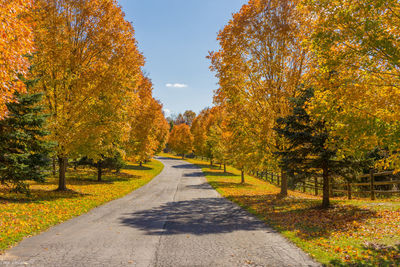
(308, 154)
(86, 60)
(189, 116)
(355, 73)
(179, 119)
(259, 66)
(181, 140)
(148, 129)
(218, 137)
(16, 41)
(162, 131)
(199, 131)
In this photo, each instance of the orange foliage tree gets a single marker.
(87, 63)
(16, 41)
(180, 139)
(148, 129)
(259, 67)
(199, 129)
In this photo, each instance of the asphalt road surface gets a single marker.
(175, 220)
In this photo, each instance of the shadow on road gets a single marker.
(194, 174)
(203, 186)
(200, 217)
(185, 166)
(166, 158)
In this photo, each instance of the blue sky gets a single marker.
(175, 37)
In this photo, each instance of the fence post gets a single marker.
(316, 186)
(349, 190)
(371, 178)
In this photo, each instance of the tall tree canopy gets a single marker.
(355, 72)
(16, 42)
(87, 63)
(259, 66)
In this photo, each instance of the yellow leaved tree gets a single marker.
(181, 140)
(86, 61)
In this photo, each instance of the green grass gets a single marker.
(22, 216)
(351, 233)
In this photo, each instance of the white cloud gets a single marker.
(176, 85)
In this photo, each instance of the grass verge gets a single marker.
(22, 216)
(351, 233)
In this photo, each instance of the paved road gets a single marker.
(175, 220)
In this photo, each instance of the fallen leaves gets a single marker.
(22, 216)
(337, 236)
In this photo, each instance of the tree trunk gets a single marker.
(211, 162)
(99, 172)
(224, 167)
(220, 165)
(183, 156)
(316, 186)
(62, 163)
(54, 165)
(140, 164)
(242, 177)
(325, 193)
(283, 192)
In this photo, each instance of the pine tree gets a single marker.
(24, 154)
(308, 153)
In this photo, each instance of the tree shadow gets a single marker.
(373, 262)
(230, 185)
(166, 158)
(136, 167)
(203, 186)
(305, 216)
(185, 166)
(221, 174)
(208, 166)
(199, 217)
(382, 255)
(91, 178)
(38, 195)
(194, 174)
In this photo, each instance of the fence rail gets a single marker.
(347, 188)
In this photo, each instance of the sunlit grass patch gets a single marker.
(352, 232)
(22, 216)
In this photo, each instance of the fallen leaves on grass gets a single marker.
(23, 216)
(336, 236)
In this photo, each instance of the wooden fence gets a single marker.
(369, 187)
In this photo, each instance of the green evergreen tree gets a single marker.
(308, 154)
(24, 154)
(112, 163)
